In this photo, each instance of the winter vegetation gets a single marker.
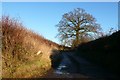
(79, 30)
(103, 52)
(77, 27)
(24, 53)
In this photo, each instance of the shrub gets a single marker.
(20, 47)
(103, 51)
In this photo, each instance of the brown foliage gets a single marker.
(20, 45)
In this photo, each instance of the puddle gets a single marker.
(61, 70)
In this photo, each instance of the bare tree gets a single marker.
(111, 31)
(75, 26)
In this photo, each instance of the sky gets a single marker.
(42, 17)
(60, 0)
(119, 16)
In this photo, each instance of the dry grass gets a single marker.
(19, 50)
(0, 50)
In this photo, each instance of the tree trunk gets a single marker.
(77, 36)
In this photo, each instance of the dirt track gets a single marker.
(72, 66)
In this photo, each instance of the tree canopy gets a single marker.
(76, 27)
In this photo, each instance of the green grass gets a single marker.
(28, 70)
(32, 69)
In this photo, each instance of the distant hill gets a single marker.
(103, 51)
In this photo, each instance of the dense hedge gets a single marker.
(103, 51)
(19, 50)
